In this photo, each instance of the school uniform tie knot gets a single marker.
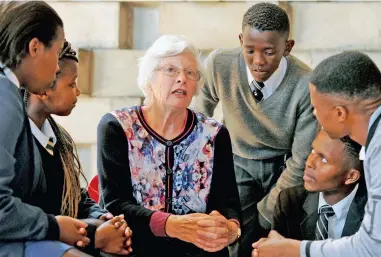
(50, 146)
(257, 92)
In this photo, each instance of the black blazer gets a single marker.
(296, 213)
(20, 177)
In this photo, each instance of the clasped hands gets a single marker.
(112, 234)
(211, 232)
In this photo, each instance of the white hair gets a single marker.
(164, 46)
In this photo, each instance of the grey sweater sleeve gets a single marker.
(304, 134)
(207, 99)
(19, 221)
(367, 241)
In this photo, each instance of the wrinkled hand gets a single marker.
(184, 227)
(276, 246)
(215, 233)
(72, 231)
(111, 237)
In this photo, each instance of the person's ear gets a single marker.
(34, 47)
(341, 113)
(289, 45)
(240, 36)
(352, 177)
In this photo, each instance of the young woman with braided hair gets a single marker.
(62, 168)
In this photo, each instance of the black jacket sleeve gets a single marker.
(280, 215)
(115, 176)
(223, 195)
(88, 208)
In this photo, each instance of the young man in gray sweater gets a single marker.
(267, 110)
(346, 94)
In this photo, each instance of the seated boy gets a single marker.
(331, 202)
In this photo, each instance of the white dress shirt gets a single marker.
(336, 222)
(272, 83)
(44, 134)
(10, 75)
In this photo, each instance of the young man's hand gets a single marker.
(72, 231)
(114, 236)
(276, 246)
(106, 216)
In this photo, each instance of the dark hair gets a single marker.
(267, 17)
(20, 22)
(68, 53)
(352, 148)
(349, 75)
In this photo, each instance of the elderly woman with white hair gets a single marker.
(169, 169)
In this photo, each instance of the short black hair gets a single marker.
(352, 149)
(267, 17)
(349, 74)
(20, 22)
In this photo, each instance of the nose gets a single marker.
(181, 78)
(77, 91)
(259, 59)
(57, 68)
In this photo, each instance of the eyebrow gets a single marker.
(319, 153)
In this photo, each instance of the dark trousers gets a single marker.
(255, 179)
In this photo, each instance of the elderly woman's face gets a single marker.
(175, 81)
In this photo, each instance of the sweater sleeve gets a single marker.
(19, 221)
(304, 134)
(224, 192)
(115, 177)
(207, 99)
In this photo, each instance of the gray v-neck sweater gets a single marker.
(280, 124)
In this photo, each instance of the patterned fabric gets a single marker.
(325, 211)
(172, 176)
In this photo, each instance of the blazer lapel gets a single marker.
(309, 219)
(356, 211)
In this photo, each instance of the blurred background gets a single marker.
(110, 36)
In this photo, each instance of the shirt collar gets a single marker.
(10, 75)
(372, 119)
(44, 134)
(342, 207)
(275, 79)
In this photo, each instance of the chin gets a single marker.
(64, 113)
(310, 188)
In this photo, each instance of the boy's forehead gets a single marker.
(265, 36)
(331, 147)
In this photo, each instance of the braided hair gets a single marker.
(71, 195)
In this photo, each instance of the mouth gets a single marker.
(260, 71)
(308, 177)
(180, 92)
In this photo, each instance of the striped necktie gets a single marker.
(326, 211)
(257, 92)
(50, 146)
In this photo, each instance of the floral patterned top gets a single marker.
(142, 173)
